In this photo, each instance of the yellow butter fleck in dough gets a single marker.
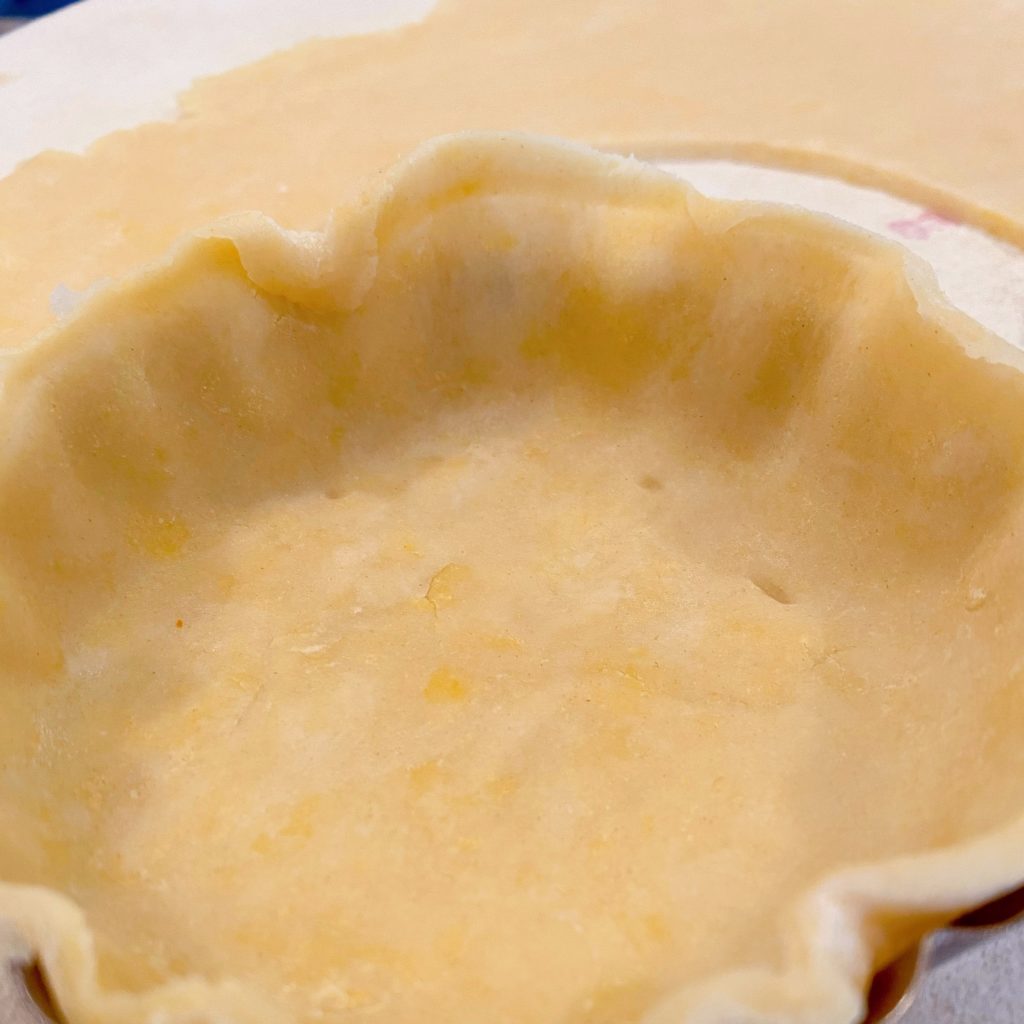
(445, 687)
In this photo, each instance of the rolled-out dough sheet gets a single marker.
(796, 82)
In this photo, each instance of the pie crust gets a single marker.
(543, 595)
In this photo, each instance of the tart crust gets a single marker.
(545, 594)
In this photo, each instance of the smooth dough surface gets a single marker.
(540, 597)
(922, 98)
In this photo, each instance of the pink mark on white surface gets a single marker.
(921, 227)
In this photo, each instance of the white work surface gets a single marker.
(107, 64)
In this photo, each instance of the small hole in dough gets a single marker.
(651, 483)
(771, 589)
(332, 494)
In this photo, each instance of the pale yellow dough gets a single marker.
(920, 97)
(546, 596)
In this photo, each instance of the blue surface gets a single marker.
(30, 8)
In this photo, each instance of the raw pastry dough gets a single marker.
(541, 597)
(921, 98)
